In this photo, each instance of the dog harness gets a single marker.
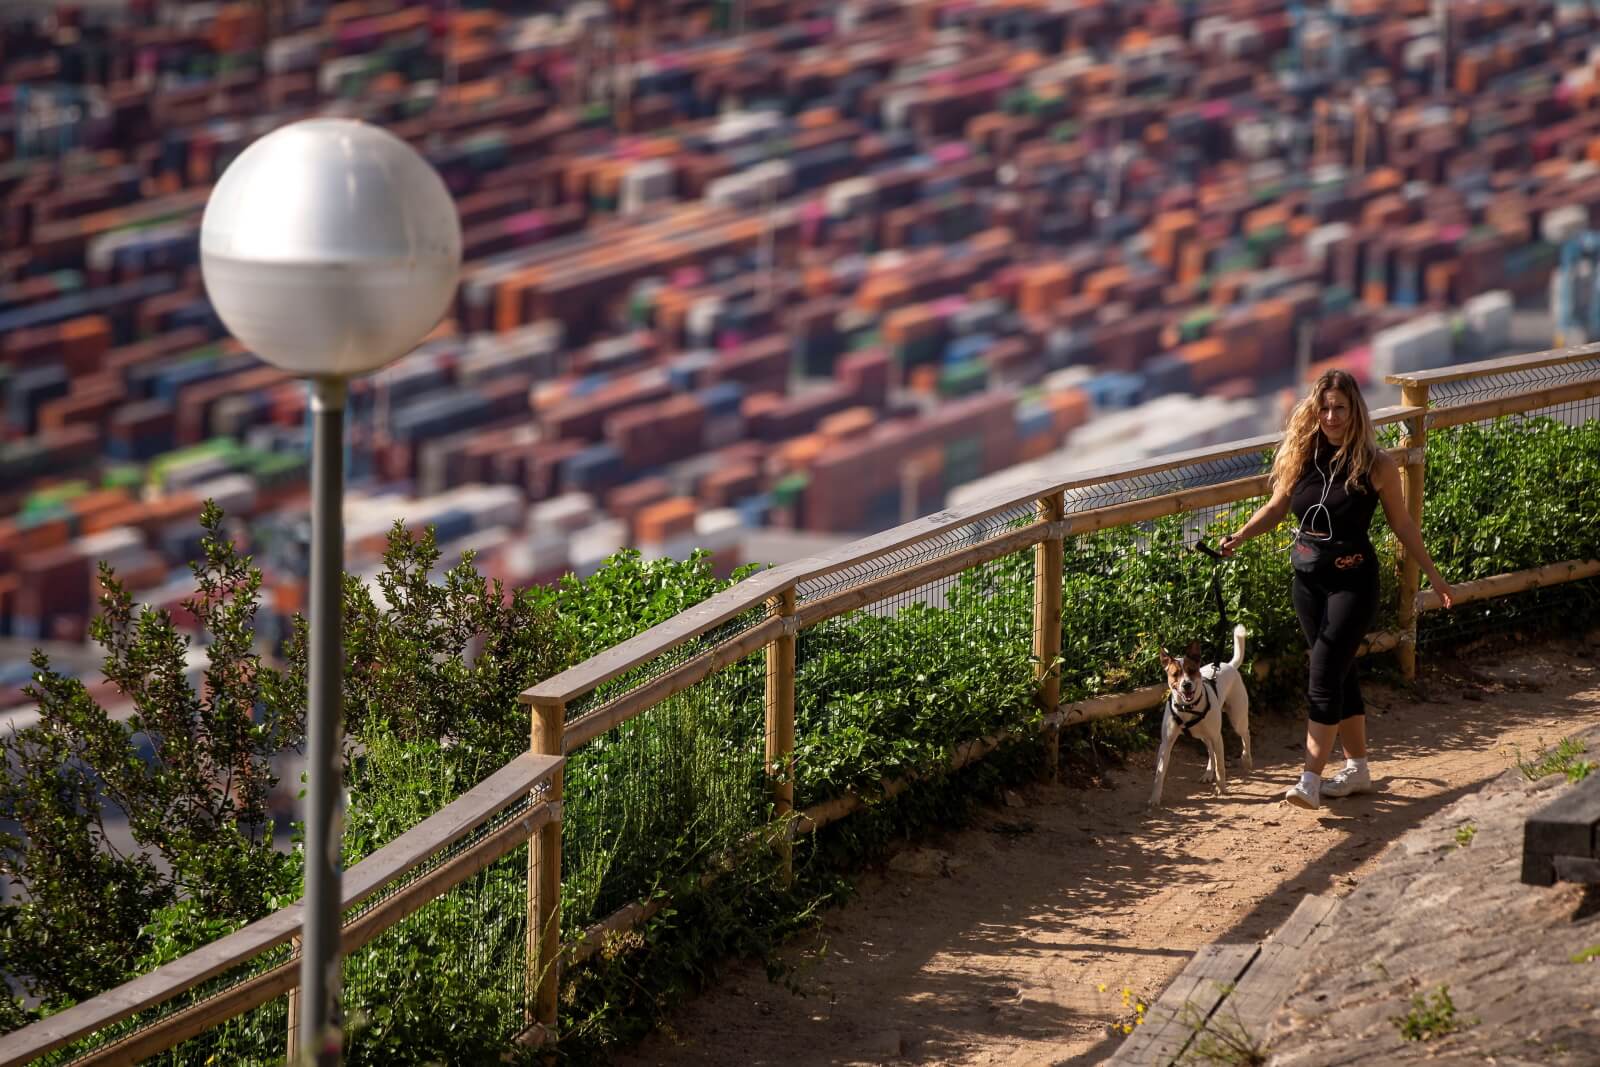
(1208, 694)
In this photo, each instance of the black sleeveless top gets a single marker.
(1349, 512)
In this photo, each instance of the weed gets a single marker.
(1588, 955)
(1465, 834)
(1222, 1040)
(1563, 759)
(1431, 1015)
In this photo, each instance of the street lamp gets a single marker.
(329, 248)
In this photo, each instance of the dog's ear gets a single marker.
(1166, 657)
(1193, 651)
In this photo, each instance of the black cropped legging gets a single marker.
(1335, 611)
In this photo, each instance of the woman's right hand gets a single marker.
(1226, 546)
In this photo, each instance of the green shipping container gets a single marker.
(963, 379)
(128, 477)
(963, 461)
(53, 497)
(788, 489)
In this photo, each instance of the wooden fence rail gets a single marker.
(781, 594)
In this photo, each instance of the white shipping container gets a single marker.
(1488, 319)
(718, 528)
(1324, 237)
(234, 493)
(489, 505)
(562, 515)
(1562, 223)
(122, 547)
(850, 196)
(648, 182)
(679, 548)
(593, 545)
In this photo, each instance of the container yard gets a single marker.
(755, 269)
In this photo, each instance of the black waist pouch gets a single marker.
(1311, 556)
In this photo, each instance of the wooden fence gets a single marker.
(532, 784)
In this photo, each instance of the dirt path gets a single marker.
(991, 945)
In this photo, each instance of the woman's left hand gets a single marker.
(1447, 595)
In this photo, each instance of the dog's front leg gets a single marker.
(1169, 736)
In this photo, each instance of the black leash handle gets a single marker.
(1201, 546)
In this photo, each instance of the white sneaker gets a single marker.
(1347, 781)
(1301, 797)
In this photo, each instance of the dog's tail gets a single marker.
(1238, 646)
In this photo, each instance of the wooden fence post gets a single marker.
(296, 943)
(1414, 394)
(780, 729)
(544, 878)
(1047, 561)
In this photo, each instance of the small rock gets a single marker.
(886, 1045)
(1014, 799)
(926, 862)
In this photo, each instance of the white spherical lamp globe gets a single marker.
(329, 248)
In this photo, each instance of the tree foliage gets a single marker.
(188, 773)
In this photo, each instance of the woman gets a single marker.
(1330, 472)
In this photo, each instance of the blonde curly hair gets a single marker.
(1356, 455)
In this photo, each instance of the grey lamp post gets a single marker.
(329, 248)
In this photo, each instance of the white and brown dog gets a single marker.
(1197, 698)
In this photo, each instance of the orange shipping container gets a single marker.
(1210, 361)
(100, 500)
(1105, 285)
(851, 422)
(1069, 409)
(1036, 447)
(20, 540)
(888, 289)
(799, 453)
(1264, 218)
(924, 379)
(910, 324)
(817, 118)
(668, 519)
(1044, 287)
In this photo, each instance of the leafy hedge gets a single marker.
(431, 696)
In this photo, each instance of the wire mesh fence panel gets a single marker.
(1512, 382)
(1172, 480)
(1503, 495)
(894, 686)
(678, 655)
(665, 793)
(461, 960)
(907, 557)
(1570, 609)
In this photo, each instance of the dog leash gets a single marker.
(1216, 590)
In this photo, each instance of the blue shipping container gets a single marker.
(29, 390)
(723, 398)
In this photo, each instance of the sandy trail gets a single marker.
(990, 945)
